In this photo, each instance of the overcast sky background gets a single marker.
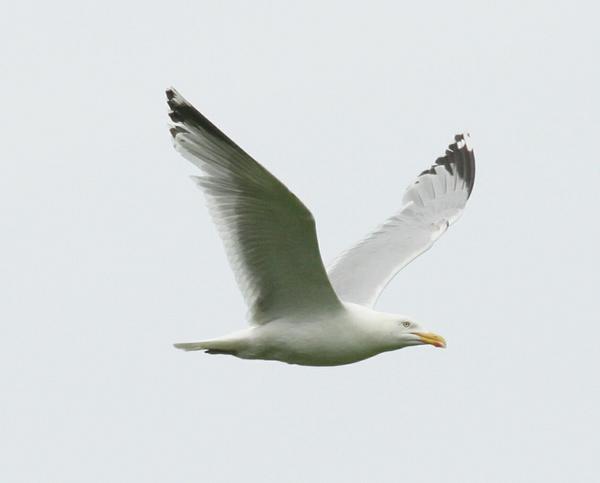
(108, 255)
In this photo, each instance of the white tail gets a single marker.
(192, 346)
(230, 344)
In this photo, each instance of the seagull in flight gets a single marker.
(299, 311)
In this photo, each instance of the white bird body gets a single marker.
(301, 313)
(333, 338)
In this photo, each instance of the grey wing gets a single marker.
(429, 206)
(269, 235)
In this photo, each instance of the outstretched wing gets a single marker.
(269, 235)
(429, 206)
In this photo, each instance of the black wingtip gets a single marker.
(175, 130)
(174, 115)
(458, 158)
(181, 111)
(428, 171)
(186, 116)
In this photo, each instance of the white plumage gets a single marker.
(429, 206)
(299, 313)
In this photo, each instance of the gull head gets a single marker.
(406, 332)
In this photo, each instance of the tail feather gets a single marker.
(191, 346)
(215, 346)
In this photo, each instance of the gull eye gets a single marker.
(406, 323)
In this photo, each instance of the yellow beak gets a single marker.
(431, 338)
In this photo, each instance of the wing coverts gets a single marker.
(432, 203)
(269, 235)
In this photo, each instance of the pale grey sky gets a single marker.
(109, 256)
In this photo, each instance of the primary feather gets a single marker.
(431, 204)
(268, 233)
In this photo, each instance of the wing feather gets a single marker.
(429, 206)
(269, 235)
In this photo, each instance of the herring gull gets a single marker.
(299, 312)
